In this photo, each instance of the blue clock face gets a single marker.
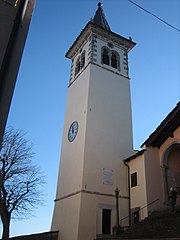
(73, 131)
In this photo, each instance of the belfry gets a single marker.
(97, 134)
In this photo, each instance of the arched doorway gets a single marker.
(171, 169)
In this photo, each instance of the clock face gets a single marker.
(73, 131)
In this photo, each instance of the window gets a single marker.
(114, 60)
(78, 66)
(105, 56)
(80, 63)
(134, 179)
(82, 59)
(110, 57)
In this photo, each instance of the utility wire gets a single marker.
(154, 15)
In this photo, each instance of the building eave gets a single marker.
(165, 129)
(134, 156)
(91, 27)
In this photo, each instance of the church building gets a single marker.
(156, 168)
(97, 153)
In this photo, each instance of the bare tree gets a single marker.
(20, 181)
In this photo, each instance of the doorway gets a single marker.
(106, 221)
(135, 217)
(171, 170)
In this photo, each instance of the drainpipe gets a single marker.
(129, 192)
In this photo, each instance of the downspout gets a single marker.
(129, 192)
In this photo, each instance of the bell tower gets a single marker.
(97, 134)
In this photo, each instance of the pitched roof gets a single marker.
(165, 129)
(99, 18)
(134, 156)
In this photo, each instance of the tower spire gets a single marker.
(99, 18)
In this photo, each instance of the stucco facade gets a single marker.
(138, 196)
(92, 161)
(90, 167)
(157, 167)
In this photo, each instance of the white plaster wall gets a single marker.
(138, 193)
(72, 154)
(66, 211)
(108, 140)
(90, 223)
(66, 218)
(99, 100)
(109, 130)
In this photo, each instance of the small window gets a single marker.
(80, 63)
(78, 66)
(114, 60)
(110, 57)
(134, 179)
(82, 59)
(105, 57)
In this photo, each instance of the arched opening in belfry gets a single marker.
(115, 60)
(171, 166)
(105, 56)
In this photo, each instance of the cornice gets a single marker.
(91, 62)
(89, 192)
(92, 28)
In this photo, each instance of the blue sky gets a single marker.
(39, 100)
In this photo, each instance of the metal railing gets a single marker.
(141, 211)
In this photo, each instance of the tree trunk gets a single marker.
(5, 218)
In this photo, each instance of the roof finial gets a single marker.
(99, 4)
